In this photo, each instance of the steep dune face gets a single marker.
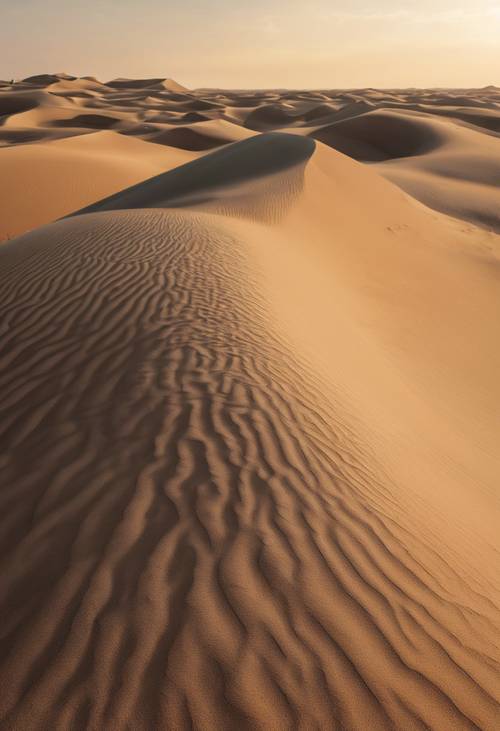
(159, 84)
(47, 79)
(460, 176)
(235, 488)
(16, 102)
(381, 136)
(224, 178)
(447, 165)
(203, 137)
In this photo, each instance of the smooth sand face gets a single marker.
(249, 400)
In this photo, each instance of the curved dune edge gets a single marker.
(221, 508)
(225, 179)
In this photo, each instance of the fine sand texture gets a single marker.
(249, 408)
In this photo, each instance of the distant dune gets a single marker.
(249, 409)
(146, 84)
(440, 146)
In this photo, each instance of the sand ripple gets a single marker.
(193, 535)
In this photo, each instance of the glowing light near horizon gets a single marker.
(317, 44)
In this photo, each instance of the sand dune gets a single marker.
(160, 84)
(42, 182)
(16, 102)
(460, 176)
(381, 135)
(249, 424)
(226, 178)
(426, 139)
(204, 135)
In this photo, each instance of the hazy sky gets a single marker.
(257, 43)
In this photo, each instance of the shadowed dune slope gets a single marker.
(15, 102)
(199, 137)
(263, 156)
(448, 166)
(186, 138)
(380, 136)
(460, 176)
(249, 468)
(159, 84)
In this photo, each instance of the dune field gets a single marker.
(250, 408)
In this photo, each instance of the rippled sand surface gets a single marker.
(249, 457)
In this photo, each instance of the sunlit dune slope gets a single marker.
(42, 182)
(250, 458)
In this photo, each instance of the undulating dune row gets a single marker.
(249, 459)
(425, 141)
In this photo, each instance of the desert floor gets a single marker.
(249, 408)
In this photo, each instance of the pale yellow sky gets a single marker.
(271, 43)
